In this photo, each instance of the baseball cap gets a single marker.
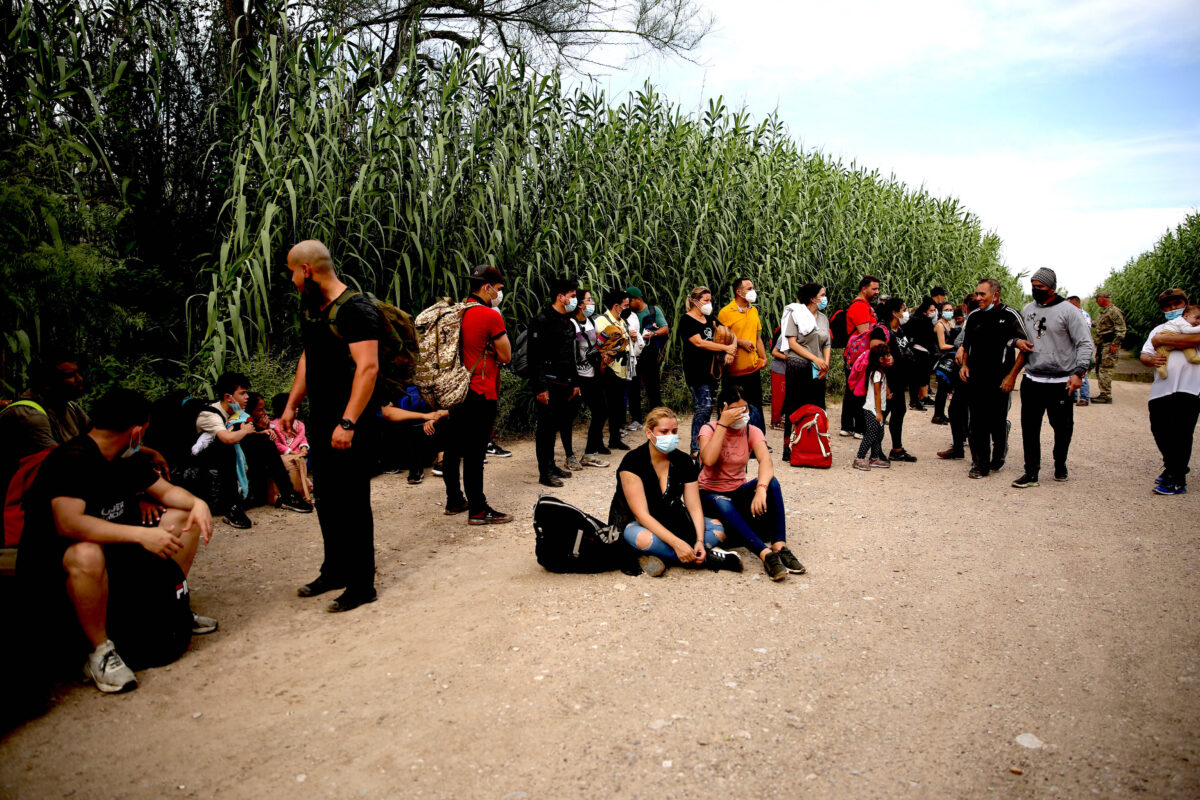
(1170, 295)
(487, 274)
(633, 292)
(1104, 294)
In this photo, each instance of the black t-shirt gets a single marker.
(666, 507)
(329, 367)
(77, 468)
(697, 362)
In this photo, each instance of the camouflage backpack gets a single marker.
(441, 375)
(398, 351)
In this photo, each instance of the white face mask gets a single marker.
(741, 421)
(706, 309)
(751, 296)
(904, 317)
(498, 298)
(589, 309)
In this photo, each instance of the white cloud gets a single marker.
(850, 40)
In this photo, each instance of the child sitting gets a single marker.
(1188, 323)
(293, 447)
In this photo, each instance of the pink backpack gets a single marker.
(858, 375)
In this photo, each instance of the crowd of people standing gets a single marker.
(104, 495)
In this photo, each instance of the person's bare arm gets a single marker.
(1010, 380)
(863, 328)
(503, 347)
(691, 500)
(299, 389)
(225, 436)
(802, 351)
(705, 344)
(1154, 359)
(1176, 341)
(173, 496)
(72, 521)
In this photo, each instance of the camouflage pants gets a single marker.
(1106, 362)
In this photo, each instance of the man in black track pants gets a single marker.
(991, 361)
(555, 380)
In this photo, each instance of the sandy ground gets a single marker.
(941, 619)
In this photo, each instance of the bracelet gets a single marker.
(722, 425)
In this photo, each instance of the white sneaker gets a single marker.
(844, 433)
(633, 426)
(202, 624)
(108, 671)
(593, 460)
(858, 436)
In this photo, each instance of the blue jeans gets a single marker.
(663, 550)
(733, 509)
(1084, 392)
(702, 398)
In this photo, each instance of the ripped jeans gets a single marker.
(713, 535)
(733, 509)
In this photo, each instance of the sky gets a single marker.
(1072, 129)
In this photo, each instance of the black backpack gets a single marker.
(570, 540)
(519, 363)
(837, 329)
(149, 609)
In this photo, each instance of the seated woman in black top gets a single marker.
(657, 504)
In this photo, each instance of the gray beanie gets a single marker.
(1046, 275)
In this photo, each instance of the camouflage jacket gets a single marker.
(1111, 326)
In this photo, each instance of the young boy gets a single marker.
(1187, 323)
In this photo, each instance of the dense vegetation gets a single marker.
(152, 186)
(1173, 263)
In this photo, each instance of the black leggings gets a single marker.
(872, 441)
(895, 418)
(593, 395)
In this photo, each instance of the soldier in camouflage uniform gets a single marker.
(1110, 332)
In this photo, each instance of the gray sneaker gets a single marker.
(593, 460)
(573, 464)
(652, 566)
(108, 671)
(202, 624)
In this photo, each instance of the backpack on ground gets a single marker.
(440, 373)
(809, 444)
(398, 348)
(149, 609)
(570, 540)
(519, 363)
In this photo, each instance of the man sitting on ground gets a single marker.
(83, 528)
(214, 454)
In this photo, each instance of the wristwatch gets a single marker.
(347, 424)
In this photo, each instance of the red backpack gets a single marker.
(809, 444)
(18, 487)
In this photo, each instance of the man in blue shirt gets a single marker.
(654, 331)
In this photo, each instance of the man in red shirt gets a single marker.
(485, 346)
(860, 318)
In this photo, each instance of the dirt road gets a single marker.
(942, 619)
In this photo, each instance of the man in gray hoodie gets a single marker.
(1055, 363)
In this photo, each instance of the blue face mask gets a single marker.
(822, 303)
(235, 406)
(572, 304)
(947, 315)
(667, 442)
(1176, 314)
(589, 309)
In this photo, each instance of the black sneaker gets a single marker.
(559, 472)
(996, 466)
(237, 518)
(976, 472)
(489, 516)
(319, 586)
(790, 561)
(456, 508)
(496, 450)
(1026, 481)
(352, 599)
(773, 564)
(553, 481)
(717, 559)
(951, 454)
(1060, 474)
(604, 451)
(415, 476)
(294, 502)
(917, 407)
(901, 455)
(437, 468)
(618, 446)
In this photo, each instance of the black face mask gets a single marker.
(1041, 295)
